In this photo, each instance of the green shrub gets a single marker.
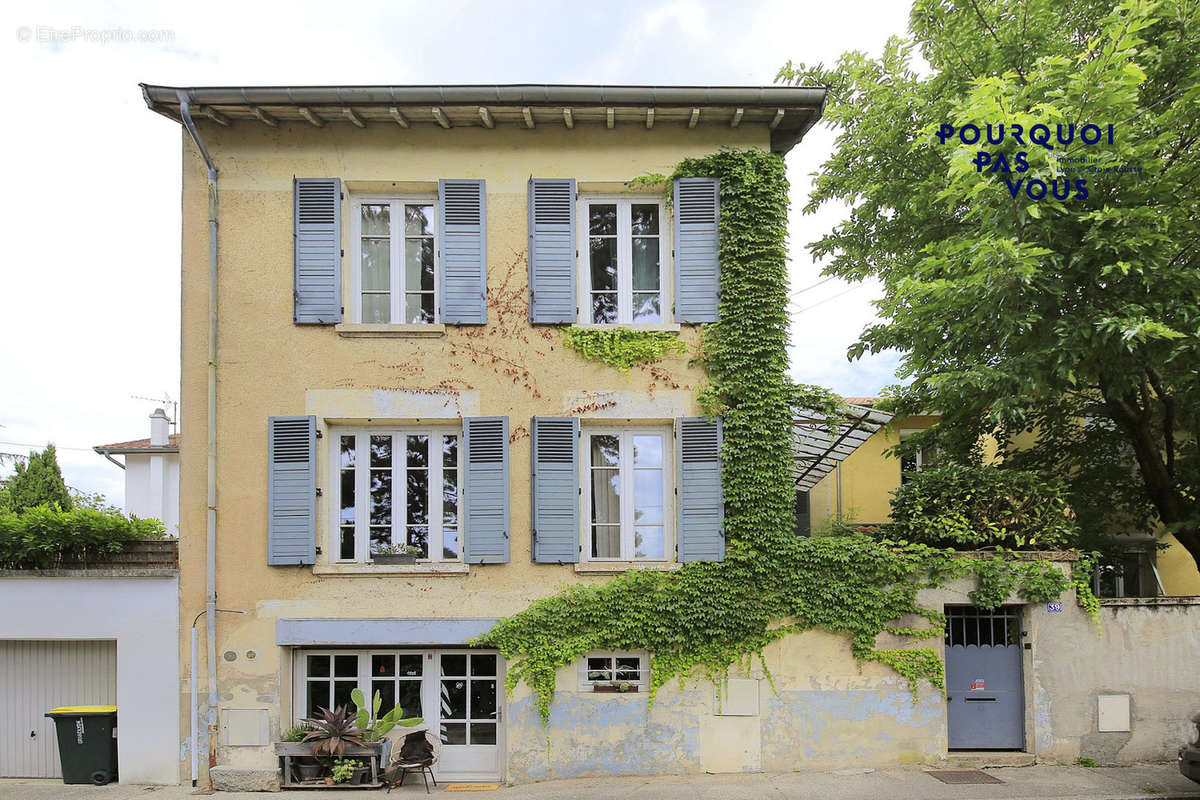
(968, 508)
(44, 537)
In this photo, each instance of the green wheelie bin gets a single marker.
(87, 743)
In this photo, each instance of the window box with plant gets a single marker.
(396, 554)
(614, 687)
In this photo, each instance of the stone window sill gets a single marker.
(375, 570)
(670, 327)
(357, 330)
(610, 567)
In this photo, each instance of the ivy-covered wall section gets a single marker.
(706, 617)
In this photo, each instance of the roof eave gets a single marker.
(790, 111)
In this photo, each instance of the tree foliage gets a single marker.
(1069, 329)
(977, 507)
(45, 536)
(38, 481)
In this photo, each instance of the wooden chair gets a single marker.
(425, 767)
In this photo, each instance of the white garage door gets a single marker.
(37, 676)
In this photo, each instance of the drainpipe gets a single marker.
(196, 696)
(210, 605)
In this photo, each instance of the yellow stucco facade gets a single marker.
(267, 366)
(868, 477)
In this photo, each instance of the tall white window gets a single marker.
(395, 258)
(625, 492)
(622, 260)
(397, 488)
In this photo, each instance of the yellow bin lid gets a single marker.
(85, 710)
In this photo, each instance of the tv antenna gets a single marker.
(165, 400)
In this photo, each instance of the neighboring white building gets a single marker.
(151, 472)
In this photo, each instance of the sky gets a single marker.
(90, 289)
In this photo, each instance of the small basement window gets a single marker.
(613, 668)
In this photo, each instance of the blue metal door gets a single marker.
(985, 700)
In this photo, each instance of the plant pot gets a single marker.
(309, 772)
(601, 688)
(393, 558)
(361, 775)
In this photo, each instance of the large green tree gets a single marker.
(1075, 321)
(38, 481)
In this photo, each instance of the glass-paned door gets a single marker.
(469, 714)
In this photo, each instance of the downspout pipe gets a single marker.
(210, 604)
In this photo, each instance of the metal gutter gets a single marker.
(498, 94)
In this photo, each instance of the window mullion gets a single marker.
(399, 464)
(626, 467)
(396, 232)
(433, 500)
(362, 487)
(624, 261)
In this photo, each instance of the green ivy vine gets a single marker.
(706, 617)
(623, 348)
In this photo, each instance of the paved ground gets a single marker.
(1157, 782)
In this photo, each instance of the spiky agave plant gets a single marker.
(332, 731)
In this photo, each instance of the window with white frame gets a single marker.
(397, 488)
(395, 258)
(614, 667)
(325, 679)
(624, 250)
(626, 476)
(916, 461)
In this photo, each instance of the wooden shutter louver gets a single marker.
(697, 249)
(291, 490)
(463, 245)
(485, 490)
(317, 251)
(701, 515)
(552, 250)
(555, 490)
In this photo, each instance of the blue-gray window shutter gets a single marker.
(555, 475)
(292, 490)
(463, 243)
(317, 250)
(485, 489)
(552, 250)
(701, 511)
(697, 249)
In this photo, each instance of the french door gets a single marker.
(459, 693)
(468, 713)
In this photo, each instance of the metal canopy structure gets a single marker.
(818, 449)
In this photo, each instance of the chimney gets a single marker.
(160, 428)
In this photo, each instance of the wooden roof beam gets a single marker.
(264, 117)
(313, 119)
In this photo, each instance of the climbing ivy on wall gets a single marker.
(702, 619)
(623, 348)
